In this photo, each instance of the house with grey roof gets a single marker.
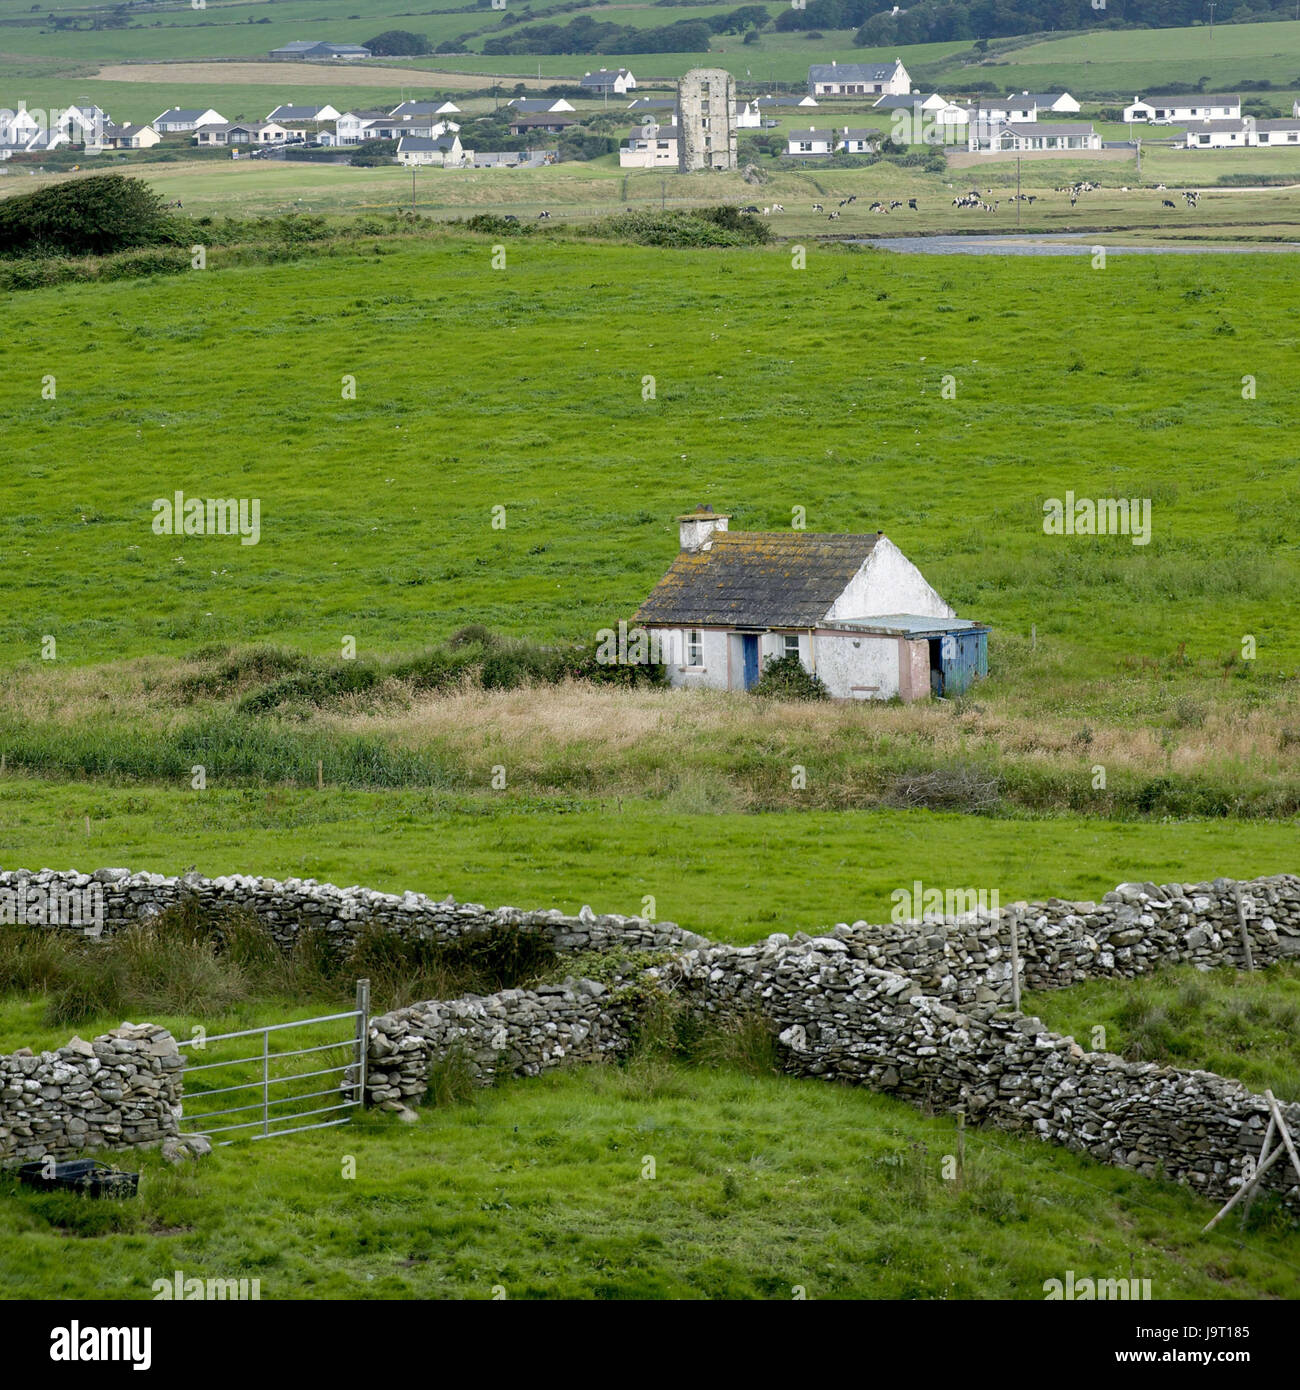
(181, 119)
(291, 113)
(536, 106)
(240, 133)
(433, 107)
(853, 609)
(444, 151)
(608, 82)
(1031, 137)
(1058, 103)
(835, 79)
(556, 122)
(809, 144)
(1166, 110)
(650, 146)
(129, 136)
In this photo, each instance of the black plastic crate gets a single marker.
(85, 1175)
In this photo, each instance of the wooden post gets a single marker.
(320, 776)
(2, 764)
(1015, 959)
(1033, 637)
(87, 827)
(1245, 929)
(1277, 1121)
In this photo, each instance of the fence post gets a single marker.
(1244, 924)
(266, 1081)
(363, 1037)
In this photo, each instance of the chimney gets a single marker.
(696, 528)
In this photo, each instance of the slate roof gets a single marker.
(852, 72)
(422, 142)
(757, 579)
(663, 132)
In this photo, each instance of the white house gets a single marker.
(291, 114)
(835, 79)
(768, 102)
(1219, 135)
(130, 137)
(537, 106)
(350, 128)
(747, 116)
(1166, 110)
(917, 119)
(609, 82)
(859, 141)
(1021, 109)
(853, 608)
(180, 119)
(398, 127)
(1058, 103)
(445, 151)
(18, 127)
(649, 147)
(240, 133)
(809, 144)
(1010, 137)
(431, 108)
(1242, 134)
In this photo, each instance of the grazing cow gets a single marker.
(817, 207)
(510, 217)
(776, 207)
(911, 203)
(1167, 203)
(751, 208)
(853, 198)
(543, 216)
(844, 202)
(1160, 188)
(831, 216)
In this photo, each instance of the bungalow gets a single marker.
(609, 82)
(444, 152)
(763, 103)
(554, 122)
(130, 137)
(307, 48)
(430, 108)
(1247, 132)
(1031, 137)
(1219, 135)
(747, 116)
(180, 119)
(1280, 132)
(989, 110)
(536, 106)
(916, 119)
(860, 141)
(650, 147)
(853, 609)
(1166, 110)
(809, 144)
(80, 123)
(1059, 103)
(240, 133)
(290, 114)
(858, 79)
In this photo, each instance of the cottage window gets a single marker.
(790, 644)
(694, 647)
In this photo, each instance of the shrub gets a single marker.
(786, 678)
(93, 216)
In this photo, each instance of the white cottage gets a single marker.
(856, 611)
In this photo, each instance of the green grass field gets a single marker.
(764, 1187)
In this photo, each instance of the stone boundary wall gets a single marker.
(121, 1091)
(290, 906)
(516, 1032)
(966, 961)
(841, 1019)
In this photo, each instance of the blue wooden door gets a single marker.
(749, 646)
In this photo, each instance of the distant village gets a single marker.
(695, 129)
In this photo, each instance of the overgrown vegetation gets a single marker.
(699, 227)
(787, 678)
(94, 216)
(204, 965)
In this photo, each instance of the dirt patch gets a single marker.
(301, 75)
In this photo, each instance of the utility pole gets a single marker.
(1017, 193)
(412, 190)
(1139, 168)
(1212, 5)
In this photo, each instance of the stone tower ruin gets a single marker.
(706, 119)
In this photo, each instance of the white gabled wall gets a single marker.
(888, 582)
(851, 666)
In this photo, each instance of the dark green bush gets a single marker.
(786, 678)
(92, 216)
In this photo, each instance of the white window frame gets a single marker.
(786, 649)
(694, 649)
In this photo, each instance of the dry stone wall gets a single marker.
(517, 1032)
(121, 1091)
(841, 1019)
(287, 907)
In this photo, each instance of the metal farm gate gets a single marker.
(280, 1078)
